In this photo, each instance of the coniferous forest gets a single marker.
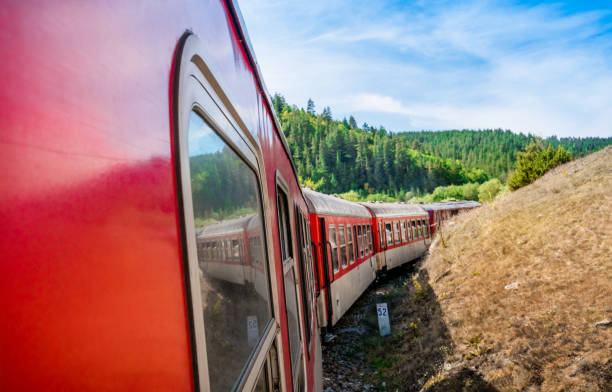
(371, 163)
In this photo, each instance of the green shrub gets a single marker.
(488, 190)
(470, 191)
(350, 196)
(534, 162)
(380, 197)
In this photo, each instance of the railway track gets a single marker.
(346, 366)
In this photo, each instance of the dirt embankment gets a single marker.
(514, 296)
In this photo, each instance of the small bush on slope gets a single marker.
(534, 162)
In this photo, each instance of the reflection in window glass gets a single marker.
(342, 240)
(370, 246)
(234, 283)
(414, 232)
(388, 233)
(403, 230)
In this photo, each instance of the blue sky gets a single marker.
(539, 67)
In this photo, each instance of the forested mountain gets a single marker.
(493, 151)
(338, 156)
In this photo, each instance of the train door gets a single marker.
(290, 285)
(427, 231)
(381, 258)
(236, 341)
(326, 270)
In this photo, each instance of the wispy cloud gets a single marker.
(442, 64)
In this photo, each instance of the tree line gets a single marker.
(369, 163)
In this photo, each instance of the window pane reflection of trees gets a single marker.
(231, 253)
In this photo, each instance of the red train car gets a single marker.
(441, 211)
(129, 131)
(401, 233)
(344, 248)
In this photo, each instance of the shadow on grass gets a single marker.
(412, 357)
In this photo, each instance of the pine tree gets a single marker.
(310, 107)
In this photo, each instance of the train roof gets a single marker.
(236, 15)
(229, 226)
(320, 203)
(392, 210)
(450, 205)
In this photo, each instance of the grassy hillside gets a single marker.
(515, 295)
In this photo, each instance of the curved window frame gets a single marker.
(197, 90)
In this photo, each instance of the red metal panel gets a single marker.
(91, 279)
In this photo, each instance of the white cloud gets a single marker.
(440, 65)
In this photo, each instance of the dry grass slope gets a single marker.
(525, 284)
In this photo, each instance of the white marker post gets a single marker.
(252, 331)
(384, 327)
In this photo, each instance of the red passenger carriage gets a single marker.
(129, 130)
(344, 245)
(441, 211)
(402, 233)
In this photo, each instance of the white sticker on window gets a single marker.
(252, 330)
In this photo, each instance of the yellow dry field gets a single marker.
(524, 285)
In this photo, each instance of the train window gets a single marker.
(349, 240)
(365, 239)
(333, 248)
(284, 231)
(425, 231)
(356, 237)
(396, 232)
(236, 250)
(235, 297)
(380, 235)
(370, 245)
(420, 229)
(289, 278)
(414, 232)
(342, 243)
(360, 235)
(389, 233)
(403, 230)
(305, 270)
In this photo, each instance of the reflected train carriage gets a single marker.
(223, 249)
(401, 233)
(127, 129)
(342, 236)
(441, 211)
